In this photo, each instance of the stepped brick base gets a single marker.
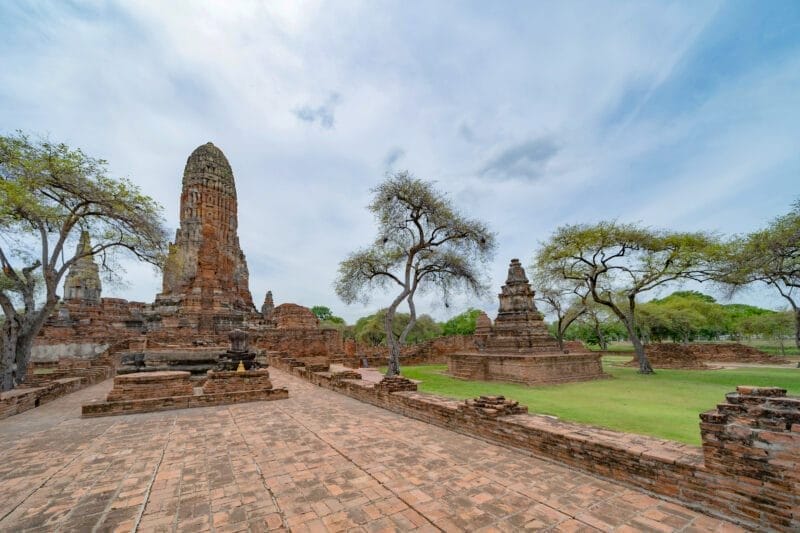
(526, 369)
(145, 385)
(232, 381)
(161, 391)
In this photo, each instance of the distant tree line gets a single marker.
(683, 316)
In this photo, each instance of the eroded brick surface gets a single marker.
(315, 462)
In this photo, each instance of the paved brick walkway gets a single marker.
(318, 461)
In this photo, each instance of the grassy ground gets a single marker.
(664, 405)
(770, 347)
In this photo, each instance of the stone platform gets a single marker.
(318, 461)
(145, 392)
(526, 369)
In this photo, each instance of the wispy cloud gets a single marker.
(526, 160)
(393, 156)
(324, 113)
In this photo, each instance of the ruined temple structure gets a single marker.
(267, 307)
(83, 279)
(205, 286)
(205, 293)
(517, 348)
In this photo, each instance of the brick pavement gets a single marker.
(315, 462)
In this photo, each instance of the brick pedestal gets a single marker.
(232, 381)
(147, 385)
(754, 438)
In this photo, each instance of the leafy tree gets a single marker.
(776, 326)
(423, 243)
(325, 315)
(463, 324)
(370, 330)
(618, 262)
(770, 256)
(49, 193)
(683, 316)
(596, 326)
(322, 312)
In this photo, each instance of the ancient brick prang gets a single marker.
(205, 275)
(83, 279)
(267, 307)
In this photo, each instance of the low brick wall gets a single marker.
(526, 369)
(767, 496)
(22, 399)
(62, 376)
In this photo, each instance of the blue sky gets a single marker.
(530, 115)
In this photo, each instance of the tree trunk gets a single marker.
(797, 327)
(644, 363)
(22, 358)
(394, 345)
(412, 309)
(600, 337)
(8, 352)
(560, 335)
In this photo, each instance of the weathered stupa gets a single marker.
(205, 276)
(83, 278)
(519, 326)
(518, 348)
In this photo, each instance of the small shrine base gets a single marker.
(146, 392)
(526, 369)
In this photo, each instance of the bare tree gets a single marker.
(423, 243)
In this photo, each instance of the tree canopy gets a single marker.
(461, 324)
(370, 329)
(617, 262)
(423, 243)
(49, 194)
(770, 256)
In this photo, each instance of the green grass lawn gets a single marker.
(664, 405)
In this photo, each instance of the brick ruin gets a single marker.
(205, 290)
(517, 348)
(698, 355)
(206, 281)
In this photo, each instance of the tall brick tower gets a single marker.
(205, 275)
